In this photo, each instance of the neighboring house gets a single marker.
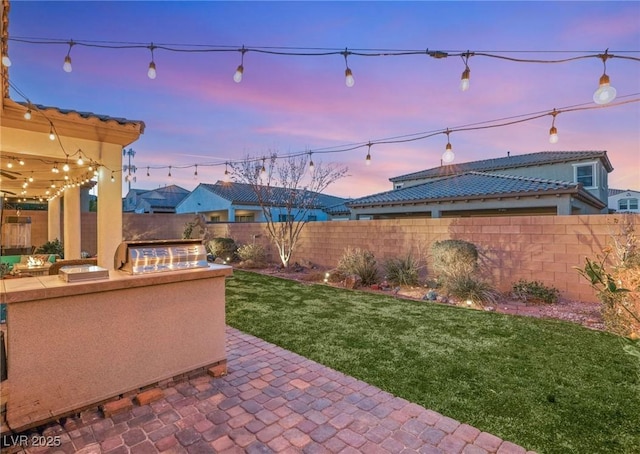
(544, 183)
(624, 200)
(161, 200)
(237, 202)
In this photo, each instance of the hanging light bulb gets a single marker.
(263, 170)
(6, 61)
(227, 175)
(67, 60)
(605, 92)
(27, 114)
(31, 178)
(553, 132)
(65, 167)
(80, 161)
(448, 155)
(195, 174)
(148, 171)
(10, 164)
(21, 161)
(466, 74)
(169, 175)
(52, 135)
(151, 73)
(237, 76)
(113, 179)
(464, 80)
(312, 166)
(348, 74)
(367, 160)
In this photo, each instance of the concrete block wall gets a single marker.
(541, 248)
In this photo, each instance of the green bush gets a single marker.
(361, 263)
(225, 248)
(471, 288)
(452, 258)
(534, 291)
(253, 254)
(51, 247)
(402, 271)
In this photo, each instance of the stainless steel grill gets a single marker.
(141, 257)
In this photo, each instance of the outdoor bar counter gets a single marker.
(73, 345)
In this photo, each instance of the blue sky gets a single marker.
(195, 114)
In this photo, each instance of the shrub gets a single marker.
(225, 248)
(51, 247)
(534, 291)
(402, 271)
(253, 254)
(361, 263)
(452, 258)
(469, 287)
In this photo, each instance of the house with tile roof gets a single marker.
(238, 202)
(160, 200)
(624, 201)
(544, 183)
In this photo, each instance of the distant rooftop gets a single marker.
(87, 115)
(507, 162)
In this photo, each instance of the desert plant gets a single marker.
(402, 271)
(51, 247)
(452, 258)
(534, 291)
(359, 262)
(225, 248)
(253, 254)
(471, 288)
(4, 269)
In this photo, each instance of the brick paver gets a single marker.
(270, 400)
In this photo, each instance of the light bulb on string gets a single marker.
(348, 74)
(67, 60)
(31, 178)
(605, 92)
(237, 76)
(52, 135)
(21, 161)
(80, 161)
(10, 164)
(148, 171)
(65, 167)
(113, 179)
(27, 114)
(367, 160)
(553, 132)
(195, 174)
(151, 73)
(312, 166)
(466, 74)
(169, 174)
(227, 175)
(6, 61)
(448, 155)
(263, 170)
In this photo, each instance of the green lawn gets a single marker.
(547, 385)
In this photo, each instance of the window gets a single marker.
(312, 218)
(285, 217)
(245, 218)
(214, 219)
(399, 186)
(585, 174)
(628, 204)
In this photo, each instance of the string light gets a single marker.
(605, 92)
(312, 166)
(169, 175)
(10, 164)
(65, 167)
(195, 174)
(464, 79)
(348, 74)
(553, 132)
(263, 170)
(367, 160)
(227, 176)
(113, 178)
(448, 155)
(237, 76)
(80, 161)
(21, 161)
(31, 177)
(67, 60)
(52, 136)
(55, 169)
(27, 114)
(6, 61)
(148, 171)
(151, 73)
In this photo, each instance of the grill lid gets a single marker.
(140, 257)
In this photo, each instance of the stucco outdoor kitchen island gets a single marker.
(73, 345)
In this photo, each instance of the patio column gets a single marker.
(109, 226)
(72, 223)
(53, 219)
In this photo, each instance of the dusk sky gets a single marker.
(196, 114)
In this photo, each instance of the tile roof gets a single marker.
(165, 197)
(619, 191)
(469, 185)
(507, 162)
(243, 194)
(87, 115)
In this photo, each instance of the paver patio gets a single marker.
(272, 400)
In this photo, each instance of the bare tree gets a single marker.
(287, 189)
